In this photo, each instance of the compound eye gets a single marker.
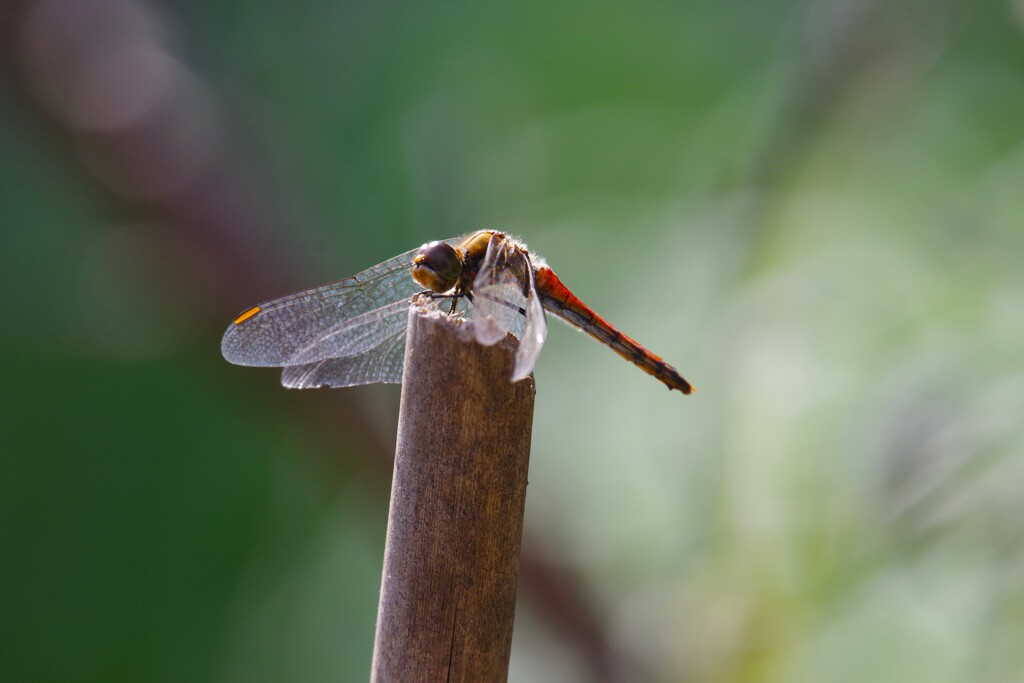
(437, 266)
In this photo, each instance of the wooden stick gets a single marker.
(455, 526)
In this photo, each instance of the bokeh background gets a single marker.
(814, 208)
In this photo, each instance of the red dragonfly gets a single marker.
(353, 331)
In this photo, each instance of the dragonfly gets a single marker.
(352, 331)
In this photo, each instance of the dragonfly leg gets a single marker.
(454, 297)
(459, 292)
(457, 295)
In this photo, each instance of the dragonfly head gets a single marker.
(437, 266)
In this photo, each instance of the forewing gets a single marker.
(335, 320)
(382, 363)
(535, 331)
(499, 292)
(504, 291)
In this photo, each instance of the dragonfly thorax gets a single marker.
(437, 266)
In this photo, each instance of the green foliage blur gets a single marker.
(814, 209)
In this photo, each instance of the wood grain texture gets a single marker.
(455, 525)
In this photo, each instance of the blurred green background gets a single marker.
(814, 209)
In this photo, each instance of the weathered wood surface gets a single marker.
(455, 525)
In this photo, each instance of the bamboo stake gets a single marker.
(455, 525)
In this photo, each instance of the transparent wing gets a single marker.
(381, 364)
(380, 361)
(535, 332)
(499, 292)
(341, 319)
(504, 290)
